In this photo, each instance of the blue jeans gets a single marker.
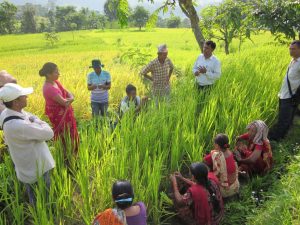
(99, 109)
(30, 188)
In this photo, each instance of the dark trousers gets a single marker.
(99, 109)
(286, 115)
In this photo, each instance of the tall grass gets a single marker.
(146, 148)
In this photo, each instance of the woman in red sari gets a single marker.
(58, 107)
(222, 163)
(202, 204)
(254, 157)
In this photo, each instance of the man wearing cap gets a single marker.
(161, 70)
(207, 67)
(99, 82)
(25, 135)
(5, 78)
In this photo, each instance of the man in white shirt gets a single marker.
(25, 136)
(287, 105)
(207, 67)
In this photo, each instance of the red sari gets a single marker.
(62, 118)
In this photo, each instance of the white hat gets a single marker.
(11, 91)
(162, 48)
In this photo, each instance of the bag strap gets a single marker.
(288, 82)
(10, 118)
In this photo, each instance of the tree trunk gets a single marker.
(189, 10)
(226, 47)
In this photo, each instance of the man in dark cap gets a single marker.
(99, 82)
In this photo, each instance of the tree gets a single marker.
(140, 16)
(65, 16)
(173, 22)
(28, 23)
(7, 17)
(187, 7)
(280, 17)
(227, 21)
(110, 9)
(186, 23)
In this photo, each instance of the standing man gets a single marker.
(99, 82)
(287, 104)
(5, 78)
(207, 67)
(25, 136)
(161, 70)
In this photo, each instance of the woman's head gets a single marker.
(122, 193)
(258, 131)
(221, 142)
(50, 71)
(199, 172)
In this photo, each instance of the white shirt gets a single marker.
(213, 67)
(126, 104)
(27, 146)
(294, 78)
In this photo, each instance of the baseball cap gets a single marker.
(11, 91)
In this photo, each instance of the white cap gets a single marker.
(162, 48)
(11, 91)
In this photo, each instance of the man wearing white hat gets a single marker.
(5, 78)
(161, 70)
(25, 136)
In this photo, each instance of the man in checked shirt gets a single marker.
(161, 70)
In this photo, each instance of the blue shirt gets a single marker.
(99, 95)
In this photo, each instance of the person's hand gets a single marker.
(32, 119)
(237, 155)
(202, 69)
(178, 174)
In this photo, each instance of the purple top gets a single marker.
(139, 219)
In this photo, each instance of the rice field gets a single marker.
(145, 149)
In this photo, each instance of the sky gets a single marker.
(98, 4)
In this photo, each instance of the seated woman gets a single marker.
(202, 204)
(221, 161)
(125, 213)
(256, 156)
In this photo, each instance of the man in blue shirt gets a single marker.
(99, 82)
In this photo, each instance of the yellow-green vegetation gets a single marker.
(160, 140)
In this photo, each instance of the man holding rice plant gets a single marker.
(161, 70)
(207, 67)
(289, 95)
(25, 135)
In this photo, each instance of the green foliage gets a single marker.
(280, 17)
(140, 16)
(227, 21)
(51, 38)
(28, 22)
(173, 22)
(7, 17)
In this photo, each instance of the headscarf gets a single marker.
(262, 131)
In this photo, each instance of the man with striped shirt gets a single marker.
(99, 82)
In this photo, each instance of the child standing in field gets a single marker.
(99, 82)
(58, 107)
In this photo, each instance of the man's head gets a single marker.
(5, 78)
(97, 66)
(208, 48)
(131, 91)
(14, 96)
(162, 52)
(295, 49)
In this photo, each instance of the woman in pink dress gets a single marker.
(58, 107)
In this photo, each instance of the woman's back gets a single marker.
(136, 219)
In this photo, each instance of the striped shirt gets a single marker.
(160, 74)
(99, 95)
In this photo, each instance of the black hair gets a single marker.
(211, 44)
(200, 172)
(296, 42)
(222, 140)
(122, 190)
(8, 104)
(130, 88)
(47, 68)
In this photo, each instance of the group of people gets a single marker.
(212, 180)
